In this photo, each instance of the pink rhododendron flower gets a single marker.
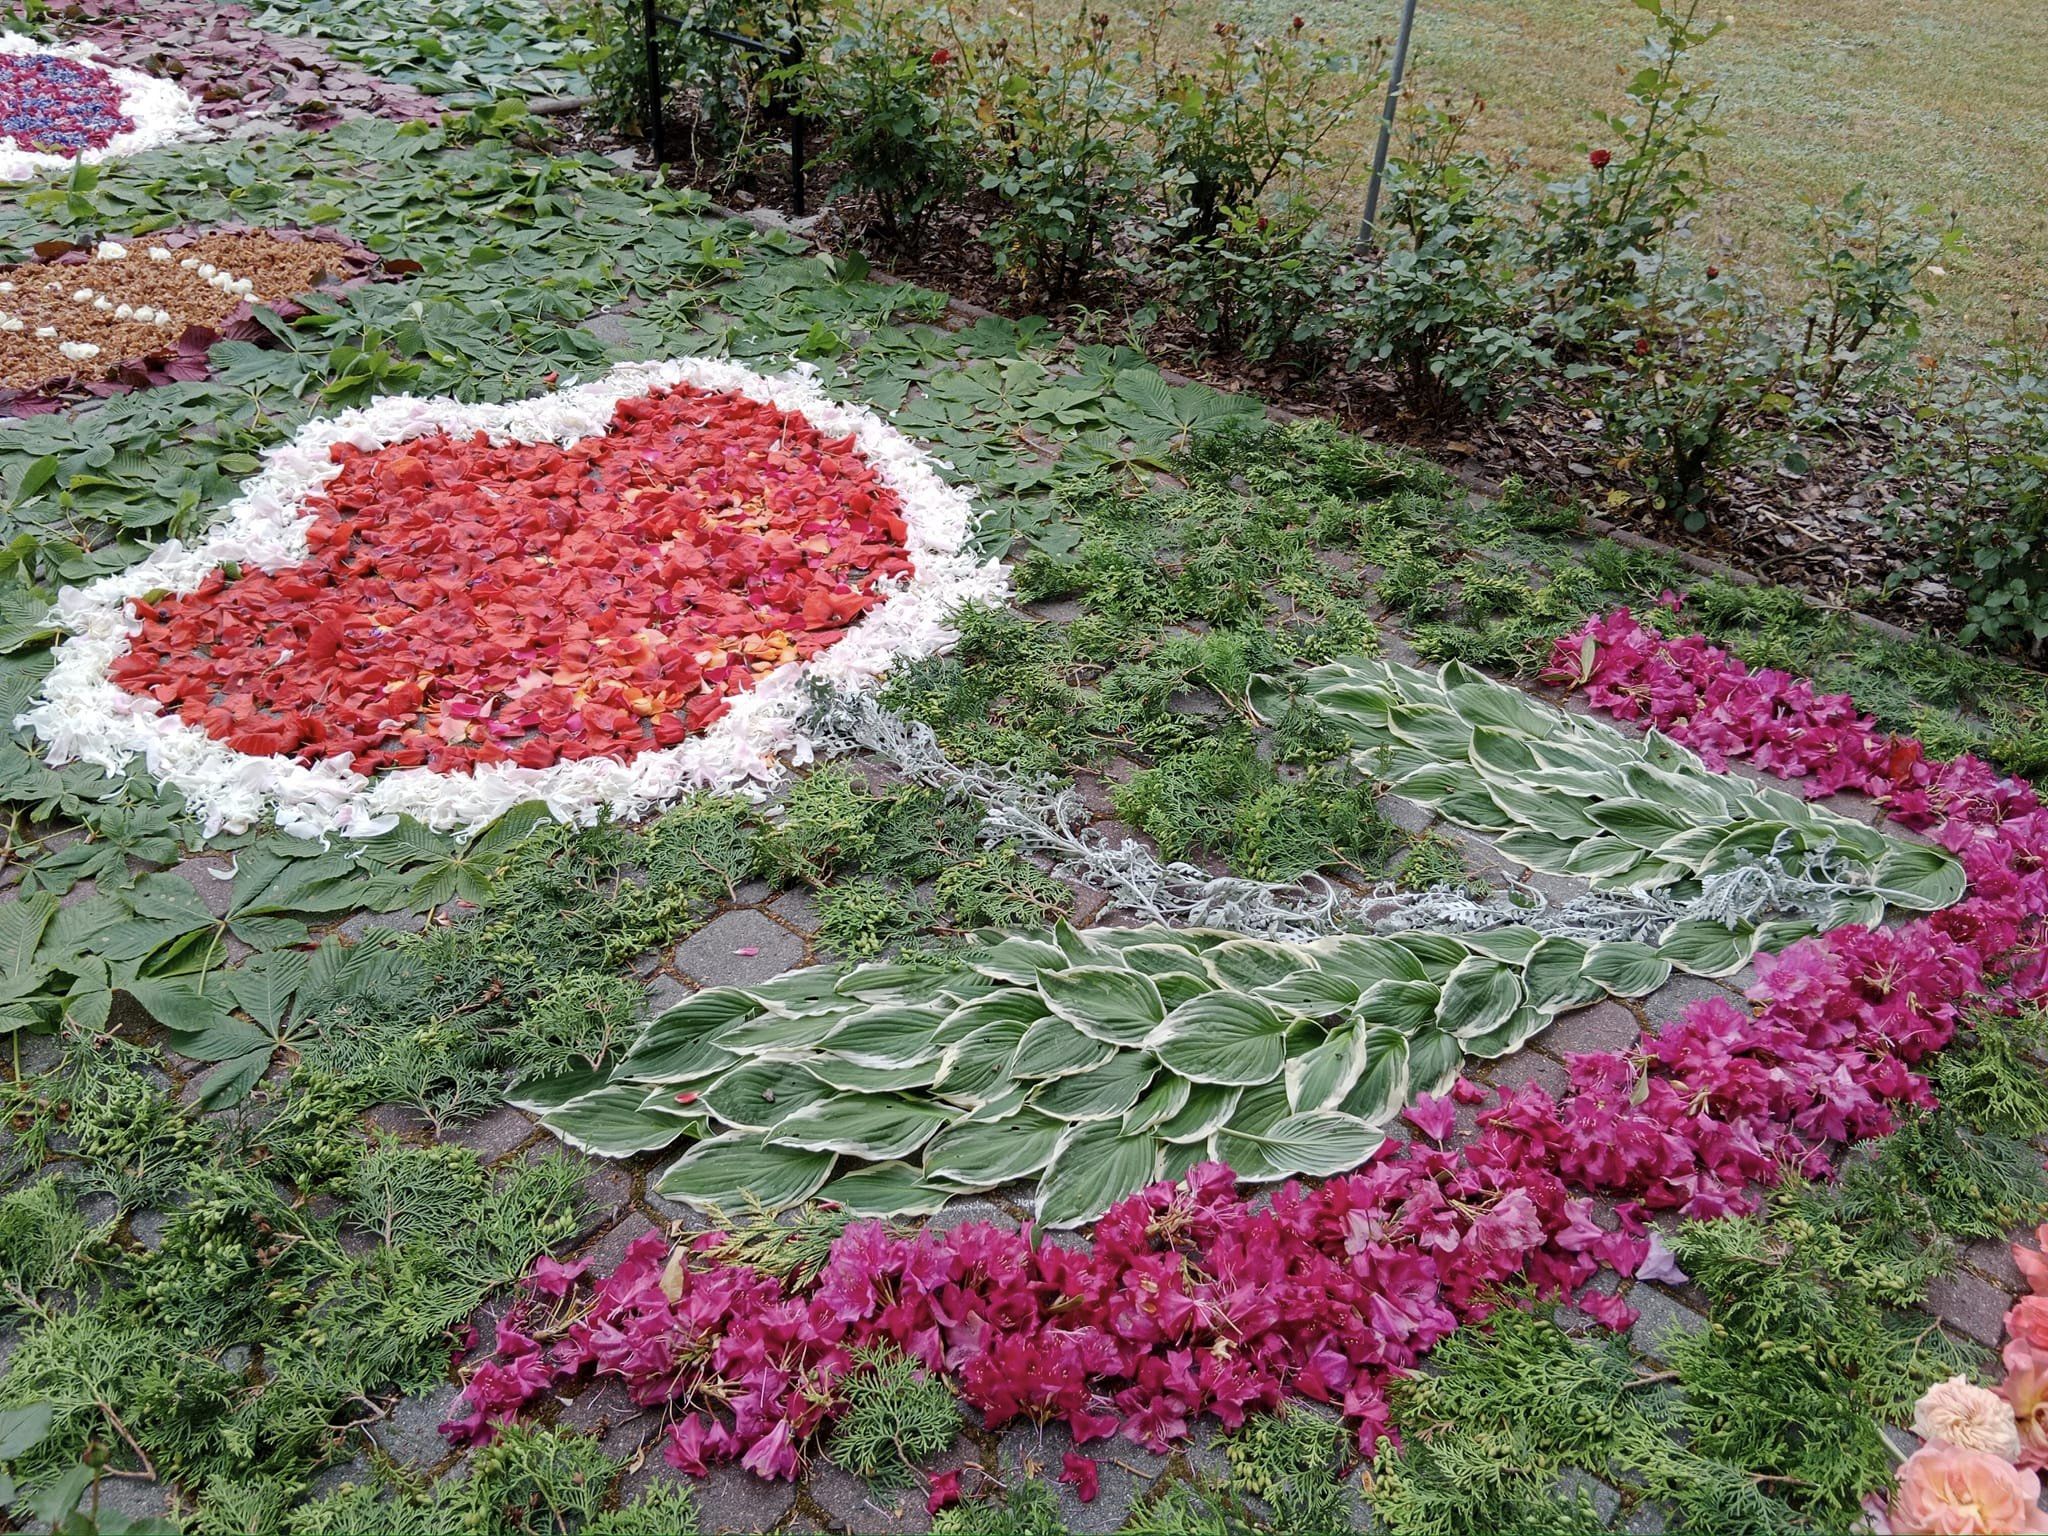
(1191, 1299)
(1947, 1491)
(1084, 1474)
(945, 1493)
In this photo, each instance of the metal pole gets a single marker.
(657, 131)
(1379, 154)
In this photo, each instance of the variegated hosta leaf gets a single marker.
(1571, 796)
(1091, 1062)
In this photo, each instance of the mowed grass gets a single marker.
(1936, 102)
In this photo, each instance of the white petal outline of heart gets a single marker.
(82, 715)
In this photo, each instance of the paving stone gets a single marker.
(1660, 1317)
(1481, 856)
(796, 909)
(750, 893)
(737, 949)
(1645, 1520)
(644, 966)
(490, 1138)
(609, 329)
(147, 1228)
(1557, 890)
(1603, 1027)
(1522, 1068)
(664, 992)
(1605, 1499)
(957, 1213)
(1972, 1305)
(1994, 1259)
(604, 1254)
(608, 1411)
(1059, 610)
(363, 924)
(1678, 994)
(606, 1191)
(853, 1504)
(1124, 1471)
(204, 872)
(398, 1120)
(1406, 814)
(33, 1055)
(729, 1500)
(1854, 806)
(131, 1498)
(410, 1434)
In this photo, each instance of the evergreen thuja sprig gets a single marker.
(897, 1416)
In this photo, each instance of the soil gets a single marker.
(80, 301)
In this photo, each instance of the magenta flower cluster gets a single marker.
(54, 105)
(1191, 1298)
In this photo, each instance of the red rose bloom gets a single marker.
(1601, 159)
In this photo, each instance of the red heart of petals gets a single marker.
(468, 603)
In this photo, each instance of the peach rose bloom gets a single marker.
(2026, 1388)
(1944, 1491)
(1969, 1417)
(2028, 1322)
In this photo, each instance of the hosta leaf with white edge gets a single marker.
(872, 1126)
(761, 1094)
(729, 1173)
(976, 1156)
(1705, 948)
(1920, 878)
(619, 1121)
(677, 1047)
(1366, 960)
(1626, 970)
(1315, 994)
(1054, 1048)
(885, 1189)
(1553, 977)
(1480, 995)
(1209, 1105)
(1166, 1097)
(1113, 1005)
(1511, 1034)
(1102, 1094)
(1319, 1143)
(887, 1037)
(1321, 1076)
(977, 1064)
(1434, 1060)
(1224, 1038)
(1094, 1168)
(1404, 1005)
(1382, 1086)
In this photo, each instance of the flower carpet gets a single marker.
(651, 885)
(101, 319)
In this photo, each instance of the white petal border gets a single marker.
(82, 715)
(162, 110)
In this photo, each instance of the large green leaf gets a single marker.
(1626, 970)
(617, 1121)
(885, 1189)
(988, 1156)
(1321, 1142)
(1103, 1093)
(868, 1125)
(1106, 1003)
(730, 1173)
(1223, 1038)
(1480, 995)
(1093, 1168)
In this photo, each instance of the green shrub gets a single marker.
(1969, 482)
(901, 134)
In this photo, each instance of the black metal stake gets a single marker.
(1379, 154)
(657, 130)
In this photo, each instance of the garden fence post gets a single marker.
(1366, 231)
(650, 24)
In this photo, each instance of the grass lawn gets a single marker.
(1931, 101)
